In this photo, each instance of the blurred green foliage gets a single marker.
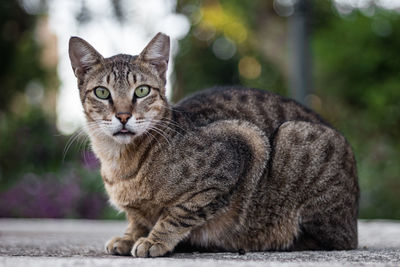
(357, 71)
(19, 52)
(225, 24)
(28, 142)
(19, 65)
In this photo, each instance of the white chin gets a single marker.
(123, 139)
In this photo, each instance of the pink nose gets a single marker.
(123, 116)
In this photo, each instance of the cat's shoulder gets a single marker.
(233, 93)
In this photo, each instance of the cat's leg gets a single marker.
(319, 171)
(123, 245)
(227, 160)
(176, 222)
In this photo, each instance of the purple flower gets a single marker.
(49, 197)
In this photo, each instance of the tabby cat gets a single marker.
(227, 169)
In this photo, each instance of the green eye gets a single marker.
(102, 93)
(142, 91)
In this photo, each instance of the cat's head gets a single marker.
(122, 96)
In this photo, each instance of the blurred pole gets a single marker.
(300, 56)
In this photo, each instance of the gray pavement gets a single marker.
(31, 242)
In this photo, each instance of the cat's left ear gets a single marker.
(156, 53)
(83, 56)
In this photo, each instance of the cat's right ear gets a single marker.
(156, 53)
(83, 56)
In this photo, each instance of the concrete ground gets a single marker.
(80, 243)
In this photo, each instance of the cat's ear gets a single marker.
(156, 53)
(83, 56)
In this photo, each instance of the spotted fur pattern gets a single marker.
(227, 169)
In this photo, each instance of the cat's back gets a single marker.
(262, 108)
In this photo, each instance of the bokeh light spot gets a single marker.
(249, 68)
(381, 27)
(228, 23)
(204, 32)
(224, 48)
(34, 93)
(284, 8)
(237, 32)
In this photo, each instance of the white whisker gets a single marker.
(70, 141)
(160, 133)
(167, 124)
(147, 132)
(167, 127)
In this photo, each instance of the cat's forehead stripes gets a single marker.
(124, 74)
(119, 74)
(131, 78)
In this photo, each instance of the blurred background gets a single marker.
(340, 57)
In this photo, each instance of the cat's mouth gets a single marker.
(124, 132)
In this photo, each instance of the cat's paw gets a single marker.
(119, 246)
(145, 247)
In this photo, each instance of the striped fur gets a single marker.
(227, 169)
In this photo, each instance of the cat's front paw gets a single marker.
(145, 247)
(119, 246)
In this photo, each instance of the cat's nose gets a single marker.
(123, 117)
